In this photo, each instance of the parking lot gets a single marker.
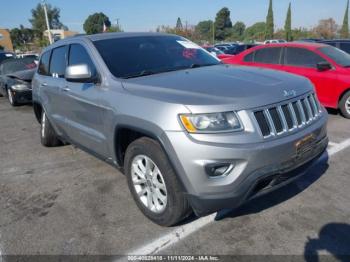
(64, 201)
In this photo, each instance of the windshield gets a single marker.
(15, 64)
(337, 55)
(145, 55)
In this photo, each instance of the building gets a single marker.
(58, 34)
(5, 40)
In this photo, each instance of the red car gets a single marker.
(327, 67)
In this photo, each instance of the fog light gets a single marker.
(219, 169)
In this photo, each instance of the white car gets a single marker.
(275, 41)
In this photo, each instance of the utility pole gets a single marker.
(47, 20)
(213, 33)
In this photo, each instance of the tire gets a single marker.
(47, 133)
(165, 183)
(11, 98)
(344, 105)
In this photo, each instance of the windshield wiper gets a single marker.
(142, 73)
(199, 65)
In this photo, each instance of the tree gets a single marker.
(344, 32)
(288, 24)
(114, 29)
(223, 24)
(94, 23)
(21, 37)
(38, 19)
(238, 30)
(326, 28)
(269, 23)
(179, 24)
(204, 29)
(255, 32)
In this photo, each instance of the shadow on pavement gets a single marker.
(333, 238)
(280, 195)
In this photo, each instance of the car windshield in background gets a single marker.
(145, 55)
(14, 65)
(340, 57)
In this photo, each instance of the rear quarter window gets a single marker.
(43, 68)
(249, 57)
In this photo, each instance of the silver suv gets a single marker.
(190, 133)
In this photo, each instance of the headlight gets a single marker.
(20, 87)
(211, 123)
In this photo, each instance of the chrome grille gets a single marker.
(283, 118)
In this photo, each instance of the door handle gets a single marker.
(43, 84)
(66, 89)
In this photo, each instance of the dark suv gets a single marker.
(342, 44)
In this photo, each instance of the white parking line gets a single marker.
(332, 143)
(339, 147)
(0, 250)
(181, 232)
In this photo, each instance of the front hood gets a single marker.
(236, 86)
(25, 75)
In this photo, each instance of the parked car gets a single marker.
(310, 40)
(275, 41)
(227, 48)
(189, 132)
(217, 52)
(327, 67)
(242, 47)
(15, 80)
(5, 55)
(342, 44)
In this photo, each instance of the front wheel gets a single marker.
(154, 184)
(344, 105)
(47, 133)
(11, 98)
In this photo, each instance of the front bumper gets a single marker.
(258, 167)
(22, 97)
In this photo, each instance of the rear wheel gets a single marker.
(47, 133)
(344, 105)
(11, 97)
(154, 184)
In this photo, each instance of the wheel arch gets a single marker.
(342, 95)
(152, 131)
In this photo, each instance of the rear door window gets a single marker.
(43, 68)
(302, 57)
(268, 55)
(58, 61)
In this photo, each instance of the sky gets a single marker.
(146, 15)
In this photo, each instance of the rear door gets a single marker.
(85, 108)
(51, 88)
(304, 62)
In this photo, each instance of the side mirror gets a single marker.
(323, 66)
(79, 73)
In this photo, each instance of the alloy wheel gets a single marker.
(149, 183)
